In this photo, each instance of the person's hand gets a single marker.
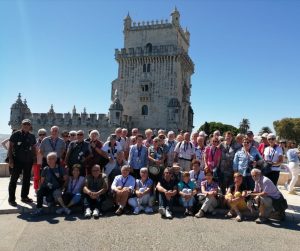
(93, 145)
(11, 163)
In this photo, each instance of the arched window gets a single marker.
(149, 47)
(144, 110)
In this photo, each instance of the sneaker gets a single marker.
(292, 192)
(136, 210)
(190, 212)
(148, 210)
(168, 214)
(12, 203)
(238, 218)
(26, 200)
(229, 215)
(60, 210)
(261, 220)
(67, 211)
(200, 214)
(88, 213)
(286, 185)
(162, 211)
(186, 212)
(119, 211)
(96, 213)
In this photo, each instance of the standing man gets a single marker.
(22, 154)
(52, 144)
(138, 156)
(185, 152)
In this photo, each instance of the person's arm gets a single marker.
(160, 188)
(174, 191)
(10, 154)
(235, 162)
(4, 144)
(104, 188)
(130, 157)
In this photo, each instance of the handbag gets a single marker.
(266, 168)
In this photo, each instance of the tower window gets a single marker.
(149, 47)
(117, 115)
(144, 110)
(148, 67)
(144, 67)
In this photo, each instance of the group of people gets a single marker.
(195, 171)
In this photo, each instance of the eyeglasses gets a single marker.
(79, 134)
(27, 124)
(42, 134)
(271, 139)
(73, 135)
(246, 142)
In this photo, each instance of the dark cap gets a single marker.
(26, 121)
(249, 133)
(113, 137)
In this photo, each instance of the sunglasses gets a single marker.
(96, 170)
(246, 142)
(26, 124)
(73, 135)
(271, 139)
(79, 134)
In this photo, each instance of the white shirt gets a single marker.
(271, 154)
(185, 150)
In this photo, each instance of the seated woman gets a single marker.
(143, 191)
(94, 189)
(72, 194)
(53, 180)
(196, 174)
(209, 190)
(122, 188)
(167, 189)
(235, 197)
(187, 190)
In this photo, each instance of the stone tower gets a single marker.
(154, 75)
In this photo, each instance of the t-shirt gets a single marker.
(272, 154)
(197, 178)
(185, 150)
(168, 185)
(49, 145)
(96, 184)
(190, 185)
(112, 150)
(240, 189)
(50, 173)
(23, 144)
(213, 186)
(292, 155)
(139, 184)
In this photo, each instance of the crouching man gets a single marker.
(53, 180)
(267, 197)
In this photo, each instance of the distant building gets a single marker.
(152, 90)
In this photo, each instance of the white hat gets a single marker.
(264, 135)
(271, 136)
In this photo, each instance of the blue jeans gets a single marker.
(163, 202)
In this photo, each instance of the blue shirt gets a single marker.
(138, 157)
(292, 155)
(120, 181)
(241, 160)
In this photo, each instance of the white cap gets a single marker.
(202, 133)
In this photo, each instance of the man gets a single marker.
(228, 148)
(170, 144)
(267, 196)
(21, 154)
(53, 180)
(264, 144)
(149, 138)
(138, 156)
(167, 189)
(185, 152)
(194, 137)
(250, 137)
(94, 189)
(79, 152)
(120, 139)
(52, 143)
(122, 188)
(134, 131)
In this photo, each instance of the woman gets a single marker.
(187, 191)
(143, 192)
(274, 156)
(156, 159)
(244, 160)
(94, 190)
(197, 174)
(235, 197)
(212, 157)
(200, 151)
(99, 156)
(208, 198)
(72, 195)
(293, 164)
(149, 138)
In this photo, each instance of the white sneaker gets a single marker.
(136, 210)
(168, 214)
(67, 211)
(148, 210)
(162, 211)
(87, 213)
(60, 210)
(96, 213)
(286, 185)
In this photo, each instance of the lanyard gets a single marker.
(139, 151)
(271, 155)
(53, 146)
(124, 182)
(74, 186)
(186, 185)
(144, 185)
(196, 176)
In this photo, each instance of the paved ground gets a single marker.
(145, 232)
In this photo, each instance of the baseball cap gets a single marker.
(264, 135)
(26, 121)
(250, 133)
(202, 133)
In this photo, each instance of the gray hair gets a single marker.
(51, 154)
(255, 171)
(144, 169)
(94, 132)
(171, 133)
(125, 167)
(42, 130)
(54, 127)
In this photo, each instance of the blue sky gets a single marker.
(246, 55)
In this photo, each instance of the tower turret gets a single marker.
(127, 23)
(175, 17)
(116, 110)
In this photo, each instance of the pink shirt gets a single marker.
(212, 157)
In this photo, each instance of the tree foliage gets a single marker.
(265, 129)
(210, 127)
(288, 128)
(244, 126)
